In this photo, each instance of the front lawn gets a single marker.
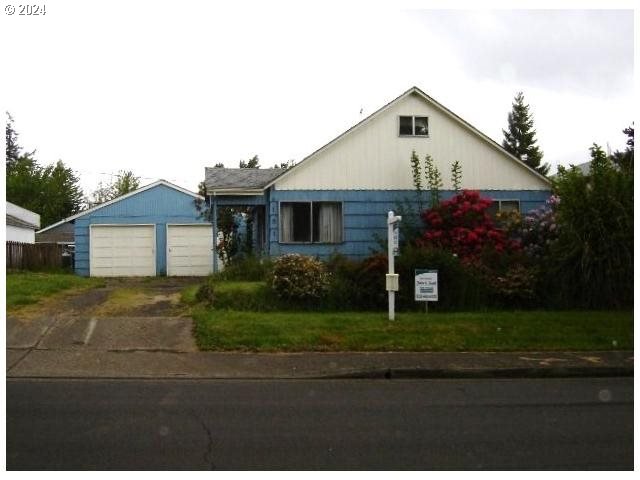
(358, 331)
(25, 288)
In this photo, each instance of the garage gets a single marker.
(189, 250)
(122, 250)
(143, 233)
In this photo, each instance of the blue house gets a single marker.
(336, 200)
(155, 230)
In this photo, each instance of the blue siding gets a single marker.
(365, 214)
(159, 205)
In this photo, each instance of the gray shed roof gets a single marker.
(239, 179)
(16, 222)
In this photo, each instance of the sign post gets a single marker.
(426, 287)
(393, 241)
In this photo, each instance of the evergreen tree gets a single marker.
(13, 149)
(520, 139)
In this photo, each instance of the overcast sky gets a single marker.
(167, 88)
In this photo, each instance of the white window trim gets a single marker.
(413, 126)
(311, 202)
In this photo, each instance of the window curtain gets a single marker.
(330, 223)
(286, 222)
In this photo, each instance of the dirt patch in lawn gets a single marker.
(68, 303)
(136, 297)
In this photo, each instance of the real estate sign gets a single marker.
(396, 239)
(426, 285)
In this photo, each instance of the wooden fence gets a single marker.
(33, 256)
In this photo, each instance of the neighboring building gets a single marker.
(62, 234)
(336, 200)
(21, 224)
(155, 230)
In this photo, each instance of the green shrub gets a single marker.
(298, 278)
(591, 263)
(206, 292)
(357, 285)
(247, 269)
(460, 287)
(246, 296)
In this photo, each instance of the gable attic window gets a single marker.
(310, 222)
(414, 126)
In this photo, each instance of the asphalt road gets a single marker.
(334, 424)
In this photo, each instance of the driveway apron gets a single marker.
(127, 315)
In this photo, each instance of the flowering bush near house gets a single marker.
(540, 230)
(298, 278)
(463, 226)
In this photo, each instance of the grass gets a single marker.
(356, 331)
(25, 288)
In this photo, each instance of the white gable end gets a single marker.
(374, 157)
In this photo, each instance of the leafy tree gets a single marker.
(520, 139)
(624, 160)
(219, 165)
(285, 165)
(52, 191)
(253, 162)
(125, 182)
(62, 193)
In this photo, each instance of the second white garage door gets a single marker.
(122, 250)
(189, 250)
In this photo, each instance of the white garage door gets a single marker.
(123, 251)
(189, 250)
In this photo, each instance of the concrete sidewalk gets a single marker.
(83, 363)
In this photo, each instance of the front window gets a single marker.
(310, 222)
(414, 126)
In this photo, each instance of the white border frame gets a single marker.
(155, 244)
(213, 252)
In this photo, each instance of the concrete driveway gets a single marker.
(127, 315)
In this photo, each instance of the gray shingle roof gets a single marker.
(16, 222)
(239, 178)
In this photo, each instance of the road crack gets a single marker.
(208, 454)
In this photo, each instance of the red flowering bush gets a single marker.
(463, 226)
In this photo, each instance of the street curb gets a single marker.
(385, 374)
(570, 372)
